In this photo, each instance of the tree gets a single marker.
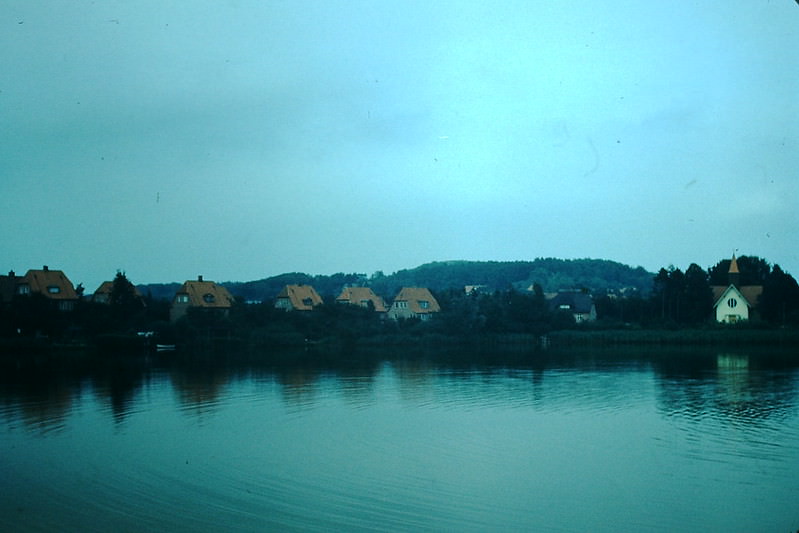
(753, 271)
(779, 303)
(698, 297)
(123, 300)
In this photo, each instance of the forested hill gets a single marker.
(551, 274)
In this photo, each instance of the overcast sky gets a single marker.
(244, 139)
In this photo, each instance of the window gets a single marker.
(424, 304)
(183, 298)
(24, 289)
(209, 298)
(307, 301)
(53, 289)
(732, 302)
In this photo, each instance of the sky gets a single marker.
(243, 139)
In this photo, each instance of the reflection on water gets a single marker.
(451, 441)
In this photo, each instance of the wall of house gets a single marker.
(729, 311)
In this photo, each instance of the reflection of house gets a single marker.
(298, 298)
(413, 302)
(734, 302)
(579, 304)
(52, 284)
(362, 296)
(200, 294)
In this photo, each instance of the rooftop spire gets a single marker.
(733, 266)
(733, 273)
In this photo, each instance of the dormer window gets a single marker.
(424, 304)
(209, 298)
(307, 302)
(53, 289)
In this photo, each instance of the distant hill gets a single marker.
(552, 274)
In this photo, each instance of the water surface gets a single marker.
(576, 441)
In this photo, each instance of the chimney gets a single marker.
(11, 274)
(45, 268)
(199, 278)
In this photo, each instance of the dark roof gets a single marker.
(577, 302)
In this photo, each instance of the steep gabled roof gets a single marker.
(359, 295)
(301, 297)
(420, 300)
(748, 293)
(53, 284)
(206, 294)
(721, 292)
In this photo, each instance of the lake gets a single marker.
(588, 440)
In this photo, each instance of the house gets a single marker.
(103, 293)
(362, 296)
(298, 298)
(52, 284)
(734, 302)
(8, 288)
(470, 290)
(200, 294)
(413, 302)
(579, 304)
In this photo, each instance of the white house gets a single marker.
(734, 302)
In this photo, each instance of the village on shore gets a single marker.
(464, 310)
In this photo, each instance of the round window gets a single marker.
(732, 302)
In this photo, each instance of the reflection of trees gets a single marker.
(118, 385)
(357, 383)
(43, 399)
(738, 387)
(299, 385)
(199, 389)
(416, 379)
(47, 411)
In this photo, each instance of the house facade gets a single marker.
(52, 284)
(200, 294)
(298, 298)
(734, 302)
(414, 302)
(362, 296)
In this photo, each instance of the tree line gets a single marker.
(676, 299)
